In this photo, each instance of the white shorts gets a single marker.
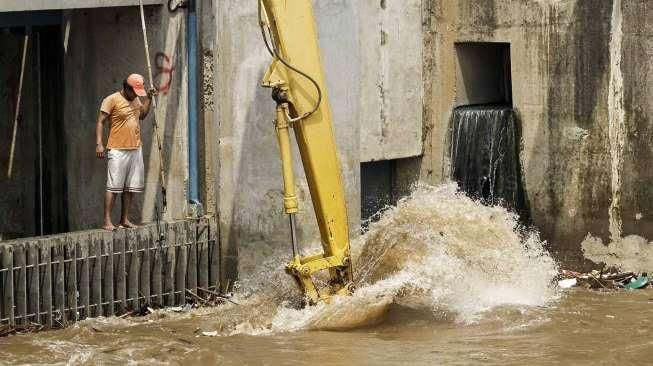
(125, 171)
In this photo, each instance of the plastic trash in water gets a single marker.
(567, 283)
(638, 282)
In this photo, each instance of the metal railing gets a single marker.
(58, 279)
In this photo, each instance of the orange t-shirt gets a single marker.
(125, 131)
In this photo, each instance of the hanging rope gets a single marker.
(154, 120)
(12, 149)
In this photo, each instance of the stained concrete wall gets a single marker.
(391, 42)
(99, 47)
(102, 47)
(250, 185)
(565, 71)
(18, 213)
(22, 5)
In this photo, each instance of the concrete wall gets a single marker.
(18, 213)
(22, 5)
(391, 40)
(581, 81)
(102, 47)
(250, 184)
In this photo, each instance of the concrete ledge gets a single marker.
(22, 5)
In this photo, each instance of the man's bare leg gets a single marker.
(126, 205)
(109, 199)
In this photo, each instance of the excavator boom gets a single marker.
(296, 78)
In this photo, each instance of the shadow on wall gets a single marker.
(572, 139)
(32, 159)
(105, 68)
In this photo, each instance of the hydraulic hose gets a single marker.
(273, 52)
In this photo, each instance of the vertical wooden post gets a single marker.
(182, 261)
(169, 265)
(20, 281)
(47, 294)
(59, 283)
(33, 281)
(96, 242)
(133, 265)
(215, 255)
(107, 273)
(193, 249)
(7, 258)
(83, 245)
(202, 234)
(70, 268)
(157, 265)
(119, 274)
(144, 244)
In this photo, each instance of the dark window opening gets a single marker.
(384, 183)
(32, 149)
(483, 73)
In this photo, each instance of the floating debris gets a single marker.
(637, 283)
(598, 280)
(567, 283)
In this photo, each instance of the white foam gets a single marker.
(438, 251)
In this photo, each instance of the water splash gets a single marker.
(438, 252)
(485, 154)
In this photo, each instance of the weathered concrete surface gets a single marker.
(561, 70)
(250, 185)
(631, 253)
(22, 5)
(17, 216)
(102, 47)
(391, 79)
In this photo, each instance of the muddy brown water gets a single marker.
(582, 328)
(441, 279)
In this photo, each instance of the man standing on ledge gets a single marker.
(125, 170)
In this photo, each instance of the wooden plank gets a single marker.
(20, 284)
(59, 283)
(107, 274)
(144, 245)
(169, 254)
(191, 270)
(215, 255)
(33, 281)
(45, 252)
(182, 262)
(202, 237)
(120, 273)
(7, 262)
(133, 264)
(96, 273)
(157, 259)
(83, 279)
(70, 269)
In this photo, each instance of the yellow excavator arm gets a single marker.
(296, 78)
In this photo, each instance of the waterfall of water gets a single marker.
(485, 156)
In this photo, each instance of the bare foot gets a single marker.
(109, 227)
(127, 225)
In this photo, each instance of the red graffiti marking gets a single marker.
(164, 72)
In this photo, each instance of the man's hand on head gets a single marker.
(99, 151)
